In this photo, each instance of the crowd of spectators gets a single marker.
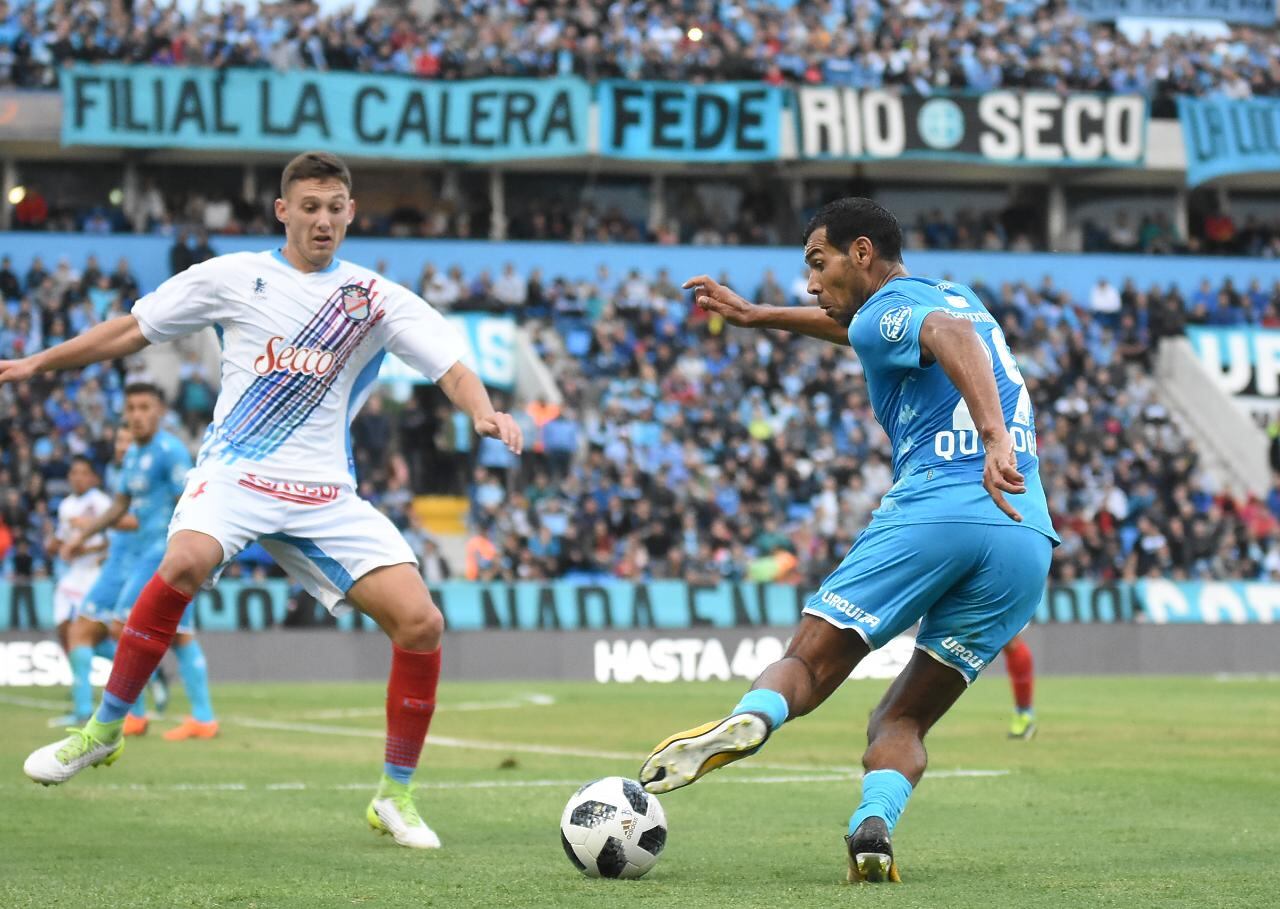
(920, 46)
(687, 448)
(194, 216)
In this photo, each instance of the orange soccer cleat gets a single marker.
(191, 728)
(135, 725)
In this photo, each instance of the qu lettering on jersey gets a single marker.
(311, 361)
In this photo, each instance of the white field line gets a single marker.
(352, 713)
(14, 700)
(1247, 677)
(843, 773)
(725, 780)
(439, 741)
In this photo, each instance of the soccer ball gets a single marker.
(613, 828)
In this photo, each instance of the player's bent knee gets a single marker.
(183, 570)
(82, 634)
(189, 560)
(421, 629)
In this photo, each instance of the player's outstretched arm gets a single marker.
(95, 525)
(802, 320)
(961, 354)
(464, 388)
(114, 338)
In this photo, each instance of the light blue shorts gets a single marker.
(972, 587)
(121, 581)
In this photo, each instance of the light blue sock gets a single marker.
(112, 709)
(884, 794)
(766, 701)
(398, 773)
(195, 679)
(81, 691)
(106, 649)
(139, 708)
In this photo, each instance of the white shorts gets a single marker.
(325, 537)
(70, 592)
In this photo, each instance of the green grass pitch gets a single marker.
(1137, 792)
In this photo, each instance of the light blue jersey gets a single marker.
(970, 588)
(937, 455)
(119, 542)
(153, 476)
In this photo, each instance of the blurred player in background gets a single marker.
(89, 633)
(152, 476)
(79, 569)
(1021, 669)
(304, 334)
(945, 547)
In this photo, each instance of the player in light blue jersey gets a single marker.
(961, 542)
(151, 479)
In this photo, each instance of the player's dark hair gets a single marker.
(144, 388)
(850, 218)
(83, 459)
(315, 165)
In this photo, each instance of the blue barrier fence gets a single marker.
(558, 605)
(744, 265)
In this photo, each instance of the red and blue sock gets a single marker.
(153, 621)
(1022, 675)
(411, 702)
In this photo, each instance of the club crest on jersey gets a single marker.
(893, 324)
(356, 301)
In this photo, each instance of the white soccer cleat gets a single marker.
(62, 760)
(392, 811)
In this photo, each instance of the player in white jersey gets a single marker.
(86, 501)
(303, 335)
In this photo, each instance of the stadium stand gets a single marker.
(921, 47)
(687, 449)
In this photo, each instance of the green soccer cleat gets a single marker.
(62, 760)
(392, 812)
(1023, 725)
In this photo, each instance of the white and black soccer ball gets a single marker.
(613, 828)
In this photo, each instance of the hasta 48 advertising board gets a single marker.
(662, 631)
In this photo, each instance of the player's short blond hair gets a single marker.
(315, 165)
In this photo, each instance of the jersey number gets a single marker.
(961, 419)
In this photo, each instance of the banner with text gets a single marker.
(490, 352)
(1245, 362)
(1004, 127)
(390, 116)
(671, 121)
(1250, 12)
(1226, 137)
(346, 113)
(237, 605)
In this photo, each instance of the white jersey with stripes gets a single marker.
(300, 355)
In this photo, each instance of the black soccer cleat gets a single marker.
(871, 854)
